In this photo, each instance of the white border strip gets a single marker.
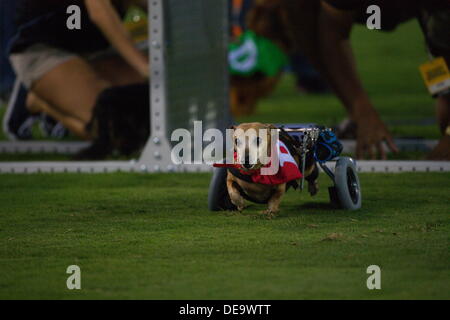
(403, 166)
(422, 145)
(13, 147)
(68, 167)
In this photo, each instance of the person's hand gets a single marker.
(107, 19)
(371, 133)
(144, 70)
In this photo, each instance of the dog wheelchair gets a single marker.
(303, 139)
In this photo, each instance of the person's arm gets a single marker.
(301, 18)
(104, 15)
(340, 69)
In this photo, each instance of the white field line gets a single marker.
(14, 147)
(134, 166)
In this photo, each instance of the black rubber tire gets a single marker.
(347, 184)
(218, 197)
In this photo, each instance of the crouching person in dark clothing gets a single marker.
(323, 28)
(336, 20)
(59, 68)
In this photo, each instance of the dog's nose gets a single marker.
(247, 163)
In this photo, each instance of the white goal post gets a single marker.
(189, 82)
(189, 75)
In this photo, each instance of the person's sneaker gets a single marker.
(17, 121)
(51, 128)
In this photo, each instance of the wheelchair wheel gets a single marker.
(218, 197)
(348, 188)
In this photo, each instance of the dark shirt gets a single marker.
(28, 10)
(45, 21)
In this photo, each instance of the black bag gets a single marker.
(327, 147)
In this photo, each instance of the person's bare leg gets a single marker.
(442, 150)
(79, 83)
(71, 88)
(76, 126)
(443, 112)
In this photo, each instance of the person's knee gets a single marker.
(34, 103)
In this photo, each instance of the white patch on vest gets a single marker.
(285, 157)
(247, 50)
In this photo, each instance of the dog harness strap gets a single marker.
(238, 174)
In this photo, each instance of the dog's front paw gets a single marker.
(239, 203)
(236, 199)
(270, 213)
(313, 188)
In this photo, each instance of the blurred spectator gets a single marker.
(266, 20)
(336, 20)
(18, 121)
(7, 30)
(323, 30)
(62, 69)
(238, 15)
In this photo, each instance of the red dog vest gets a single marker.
(288, 169)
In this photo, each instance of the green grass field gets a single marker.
(140, 236)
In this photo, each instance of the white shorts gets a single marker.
(36, 61)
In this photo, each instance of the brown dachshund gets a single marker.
(240, 188)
